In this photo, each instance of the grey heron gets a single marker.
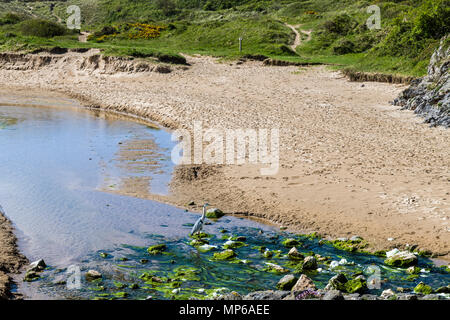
(199, 224)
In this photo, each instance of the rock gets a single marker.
(388, 294)
(356, 239)
(443, 289)
(334, 264)
(413, 270)
(198, 242)
(337, 282)
(294, 254)
(423, 288)
(352, 296)
(310, 263)
(214, 213)
(229, 296)
(290, 242)
(429, 97)
(225, 255)
(206, 248)
(230, 244)
(287, 282)
(31, 276)
(156, 249)
(272, 267)
(402, 259)
(333, 295)
(266, 295)
(406, 296)
(268, 254)
(369, 297)
(432, 297)
(93, 275)
(37, 266)
(357, 285)
(304, 283)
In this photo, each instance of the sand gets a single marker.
(350, 162)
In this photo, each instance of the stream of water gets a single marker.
(57, 166)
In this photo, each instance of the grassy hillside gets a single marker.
(410, 29)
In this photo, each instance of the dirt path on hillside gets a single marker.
(350, 163)
(298, 37)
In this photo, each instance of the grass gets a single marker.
(339, 36)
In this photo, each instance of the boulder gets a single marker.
(214, 213)
(92, 275)
(388, 294)
(229, 296)
(294, 254)
(304, 283)
(37, 265)
(156, 249)
(402, 259)
(290, 242)
(225, 255)
(266, 295)
(287, 282)
(337, 282)
(333, 295)
(310, 263)
(423, 288)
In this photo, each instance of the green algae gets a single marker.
(423, 288)
(225, 255)
(290, 242)
(156, 249)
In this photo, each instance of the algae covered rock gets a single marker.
(290, 242)
(423, 288)
(272, 267)
(337, 282)
(310, 263)
(294, 254)
(357, 285)
(402, 259)
(31, 276)
(93, 275)
(198, 242)
(214, 213)
(230, 244)
(156, 249)
(287, 282)
(225, 255)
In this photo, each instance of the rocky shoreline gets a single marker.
(429, 97)
(11, 260)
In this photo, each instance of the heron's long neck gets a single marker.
(204, 213)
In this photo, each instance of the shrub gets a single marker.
(344, 46)
(42, 28)
(11, 18)
(341, 24)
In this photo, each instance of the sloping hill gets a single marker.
(410, 29)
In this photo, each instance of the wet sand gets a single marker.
(350, 163)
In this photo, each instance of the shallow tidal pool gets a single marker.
(57, 166)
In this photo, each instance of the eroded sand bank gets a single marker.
(350, 163)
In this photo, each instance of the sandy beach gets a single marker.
(350, 162)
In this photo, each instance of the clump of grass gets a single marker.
(42, 28)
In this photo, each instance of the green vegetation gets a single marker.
(162, 29)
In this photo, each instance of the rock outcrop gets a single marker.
(429, 97)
